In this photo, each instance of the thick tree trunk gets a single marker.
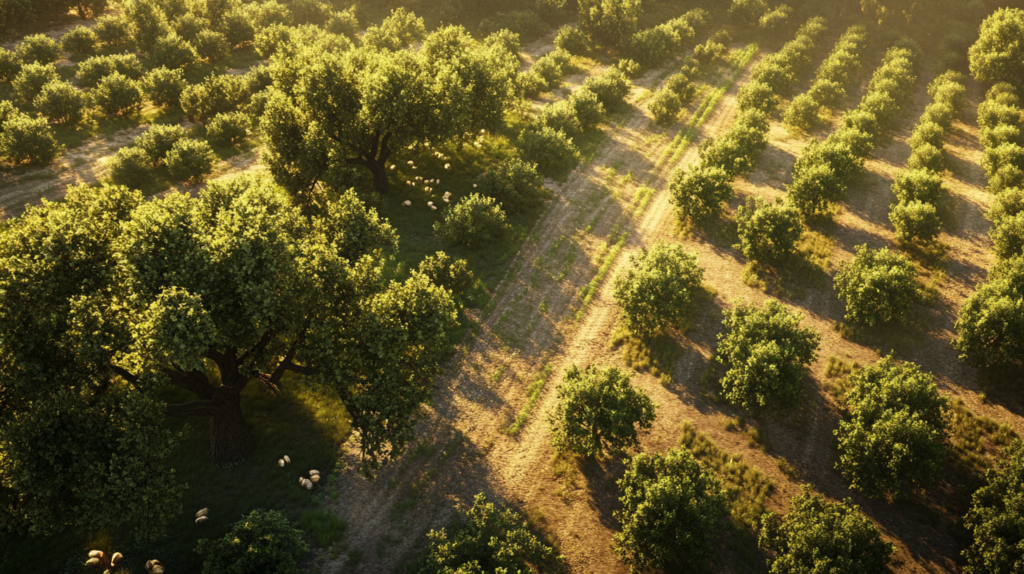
(230, 439)
(380, 176)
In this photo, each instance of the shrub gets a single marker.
(917, 185)
(698, 194)
(1001, 134)
(765, 352)
(665, 106)
(927, 157)
(747, 12)
(30, 81)
(628, 67)
(993, 59)
(484, 538)
(611, 87)
(10, 65)
(507, 39)
(188, 25)
(237, 28)
(452, 274)
(892, 444)
(768, 231)
(38, 49)
(163, 87)
(758, 96)
(346, 23)
(61, 103)
(709, 52)
(672, 510)
(514, 184)
(190, 160)
(28, 140)
(878, 285)
(821, 536)
(588, 108)
(802, 112)
(598, 410)
(264, 542)
(211, 45)
(927, 132)
(990, 326)
(227, 129)
(79, 40)
(552, 151)
(552, 67)
(132, 167)
(112, 30)
(776, 19)
(657, 290)
(396, 32)
(571, 40)
(173, 51)
(995, 518)
(94, 69)
(680, 85)
(737, 151)
(860, 144)
(117, 95)
(1008, 237)
(475, 220)
(915, 221)
(651, 46)
(217, 94)
(1007, 205)
(158, 140)
(527, 23)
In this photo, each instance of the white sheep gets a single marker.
(116, 559)
(280, 462)
(393, 166)
(202, 519)
(286, 459)
(410, 162)
(433, 208)
(407, 203)
(203, 512)
(447, 166)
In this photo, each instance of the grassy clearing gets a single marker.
(975, 439)
(657, 354)
(790, 278)
(606, 256)
(533, 394)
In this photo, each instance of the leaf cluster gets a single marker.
(878, 285)
(657, 291)
(264, 541)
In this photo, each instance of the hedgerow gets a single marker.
(833, 77)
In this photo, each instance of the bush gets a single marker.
(917, 185)
(709, 52)
(94, 69)
(112, 30)
(346, 24)
(173, 51)
(484, 538)
(188, 25)
(217, 94)
(237, 28)
(211, 46)
(475, 220)
(665, 106)
(452, 274)
(776, 19)
(821, 536)
(61, 103)
(598, 410)
(657, 290)
(680, 85)
(1007, 204)
(132, 167)
(571, 40)
(264, 542)
(758, 96)
(552, 67)
(628, 67)
(79, 40)
(10, 65)
(990, 326)
(878, 285)
(117, 95)
(1008, 237)
(227, 129)
(802, 112)
(552, 151)
(993, 59)
(768, 231)
(927, 132)
(995, 518)
(892, 444)
(672, 510)
(514, 184)
(159, 140)
(38, 49)
(927, 157)
(915, 221)
(588, 108)
(507, 39)
(611, 87)
(30, 81)
(163, 87)
(28, 140)
(747, 12)
(698, 194)
(765, 352)
(190, 160)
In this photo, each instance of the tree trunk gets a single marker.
(380, 176)
(230, 439)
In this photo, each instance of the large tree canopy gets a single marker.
(106, 298)
(356, 108)
(998, 55)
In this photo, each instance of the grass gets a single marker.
(533, 394)
(756, 438)
(563, 466)
(745, 486)
(791, 276)
(610, 250)
(837, 374)
(657, 354)
(975, 439)
(323, 526)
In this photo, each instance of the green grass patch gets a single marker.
(975, 439)
(606, 257)
(657, 354)
(792, 275)
(533, 394)
(323, 527)
(756, 438)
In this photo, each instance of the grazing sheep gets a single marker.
(280, 462)
(407, 203)
(315, 478)
(288, 460)
(314, 471)
(447, 166)
(93, 562)
(116, 559)
(96, 554)
(203, 512)
(202, 519)
(410, 162)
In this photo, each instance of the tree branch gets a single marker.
(192, 409)
(192, 381)
(124, 374)
(261, 346)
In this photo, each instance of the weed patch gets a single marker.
(533, 393)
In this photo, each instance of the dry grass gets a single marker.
(756, 438)
(975, 439)
(657, 354)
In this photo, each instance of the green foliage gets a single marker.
(927, 157)
(163, 86)
(995, 519)
(515, 184)
(117, 95)
(61, 103)
(892, 443)
(878, 285)
(443, 271)
(609, 23)
(397, 31)
(474, 220)
(1006, 205)
(552, 151)
(915, 221)
(146, 22)
(820, 174)
(28, 140)
(571, 39)
(94, 69)
(10, 65)
(588, 108)
(211, 45)
(611, 87)
(227, 129)
(131, 167)
(709, 52)
(173, 51)
(657, 290)
(344, 23)
(505, 39)
(765, 352)
(1008, 237)
(598, 410)
(671, 512)
(736, 151)
(758, 96)
(995, 57)
(484, 538)
(526, 23)
(768, 231)
(190, 160)
(665, 106)
(560, 116)
(990, 327)
(776, 19)
(217, 94)
(31, 79)
(818, 536)
(917, 185)
(38, 49)
(747, 12)
(188, 25)
(802, 112)
(698, 193)
(158, 140)
(79, 40)
(112, 30)
(262, 542)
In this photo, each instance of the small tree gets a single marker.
(915, 221)
(61, 103)
(657, 290)
(671, 513)
(10, 65)
(1007, 204)
(211, 45)
(172, 51)
(112, 30)
(758, 96)
(264, 542)
(80, 40)
(599, 410)
(190, 160)
(609, 23)
(571, 39)
(892, 443)
(217, 94)
(995, 519)
(117, 95)
(765, 352)
(452, 274)
(927, 157)
(821, 536)
(515, 184)
(28, 140)
(163, 87)
(38, 49)
(698, 194)
(94, 69)
(158, 140)
(990, 327)
(665, 106)
(552, 151)
(227, 129)
(484, 538)
(1008, 237)
(993, 57)
(131, 167)
(878, 285)
(768, 231)
(917, 185)
(747, 12)
(474, 221)
(31, 79)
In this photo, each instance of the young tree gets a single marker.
(31, 79)
(515, 185)
(599, 410)
(117, 95)
(24, 139)
(892, 444)
(609, 22)
(484, 538)
(915, 221)
(995, 519)
(131, 166)
(917, 185)
(474, 221)
(765, 352)
(990, 327)
(552, 150)
(758, 96)
(995, 57)
(657, 290)
(108, 298)
(698, 193)
(821, 536)
(878, 285)
(190, 160)
(672, 510)
(768, 231)
(38, 49)
(61, 103)
(263, 542)
(163, 87)
(1008, 237)
(452, 274)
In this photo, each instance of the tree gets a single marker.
(765, 352)
(158, 140)
(163, 87)
(552, 150)
(484, 538)
(358, 107)
(131, 166)
(397, 31)
(818, 536)
(997, 56)
(892, 443)
(452, 274)
(211, 45)
(698, 194)
(217, 94)
(990, 326)
(878, 285)
(31, 79)
(758, 96)
(174, 52)
(10, 65)
(599, 410)
(107, 298)
(1008, 237)
(117, 95)
(80, 40)
(61, 103)
(665, 106)
(227, 129)
(38, 49)
(190, 160)
(24, 139)
(768, 231)
(747, 12)
(262, 542)
(671, 514)
(657, 290)
(915, 221)
(609, 23)
(94, 69)
(1007, 204)
(917, 185)
(515, 185)
(995, 518)
(475, 220)
(888, 11)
